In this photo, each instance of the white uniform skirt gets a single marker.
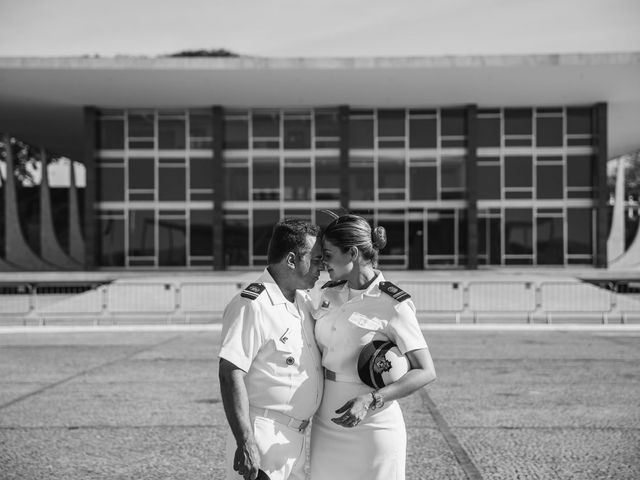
(375, 449)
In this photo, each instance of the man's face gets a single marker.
(310, 264)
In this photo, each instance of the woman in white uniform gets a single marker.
(359, 432)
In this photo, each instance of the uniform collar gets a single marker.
(272, 288)
(373, 290)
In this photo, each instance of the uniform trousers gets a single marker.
(282, 450)
(375, 449)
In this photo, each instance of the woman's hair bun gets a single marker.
(379, 238)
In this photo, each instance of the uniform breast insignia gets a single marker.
(253, 291)
(331, 284)
(395, 292)
(283, 337)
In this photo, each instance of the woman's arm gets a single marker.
(422, 373)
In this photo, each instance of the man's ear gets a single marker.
(290, 260)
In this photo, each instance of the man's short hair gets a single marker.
(290, 235)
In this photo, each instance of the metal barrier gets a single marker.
(185, 301)
(514, 298)
(433, 297)
(15, 301)
(585, 299)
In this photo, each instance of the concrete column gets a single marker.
(89, 160)
(219, 193)
(600, 144)
(472, 189)
(343, 115)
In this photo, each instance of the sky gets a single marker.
(328, 28)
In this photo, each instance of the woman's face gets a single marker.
(339, 264)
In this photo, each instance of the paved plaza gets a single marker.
(144, 404)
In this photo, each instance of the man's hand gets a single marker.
(246, 460)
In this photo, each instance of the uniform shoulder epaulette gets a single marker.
(336, 283)
(395, 292)
(253, 291)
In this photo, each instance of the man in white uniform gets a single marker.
(270, 369)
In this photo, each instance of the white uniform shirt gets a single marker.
(272, 340)
(344, 326)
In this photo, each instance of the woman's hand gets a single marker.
(354, 411)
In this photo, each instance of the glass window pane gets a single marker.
(423, 133)
(579, 231)
(297, 183)
(172, 249)
(266, 173)
(550, 241)
(579, 171)
(488, 183)
(201, 232)
(488, 132)
(440, 232)
(423, 183)
(171, 184)
(171, 133)
(391, 123)
(141, 124)
(391, 172)
(327, 172)
(111, 238)
(110, 184)
(266, 124)
(518, 171)
(327, 124)
(236, 241)
(452, 172)
(237, 183)
(549, 132)
(579, 121)
(111, 134)
(395, 235)
(142, 233)
(201, 173)
(361, 183)
(361, 133)
(200, 130)
(453, 122)
(518, 121)
(297, 133)
(549, 181)
(141, 173)
(263, 222)
(518, 231)
(236, 134)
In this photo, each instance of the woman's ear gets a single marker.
(291, 260)
(355, 253)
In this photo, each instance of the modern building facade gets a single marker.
(467, 162)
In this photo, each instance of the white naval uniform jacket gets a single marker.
(272, 340)
(344, 326)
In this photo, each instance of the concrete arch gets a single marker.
(50, 247)
(17, 251)
(618, 258)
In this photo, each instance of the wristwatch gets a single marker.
(378, 401)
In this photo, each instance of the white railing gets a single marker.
(204, 302)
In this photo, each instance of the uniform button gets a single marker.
(290, 361)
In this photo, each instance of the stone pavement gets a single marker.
(144, 404)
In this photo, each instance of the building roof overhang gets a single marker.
(48, 85)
